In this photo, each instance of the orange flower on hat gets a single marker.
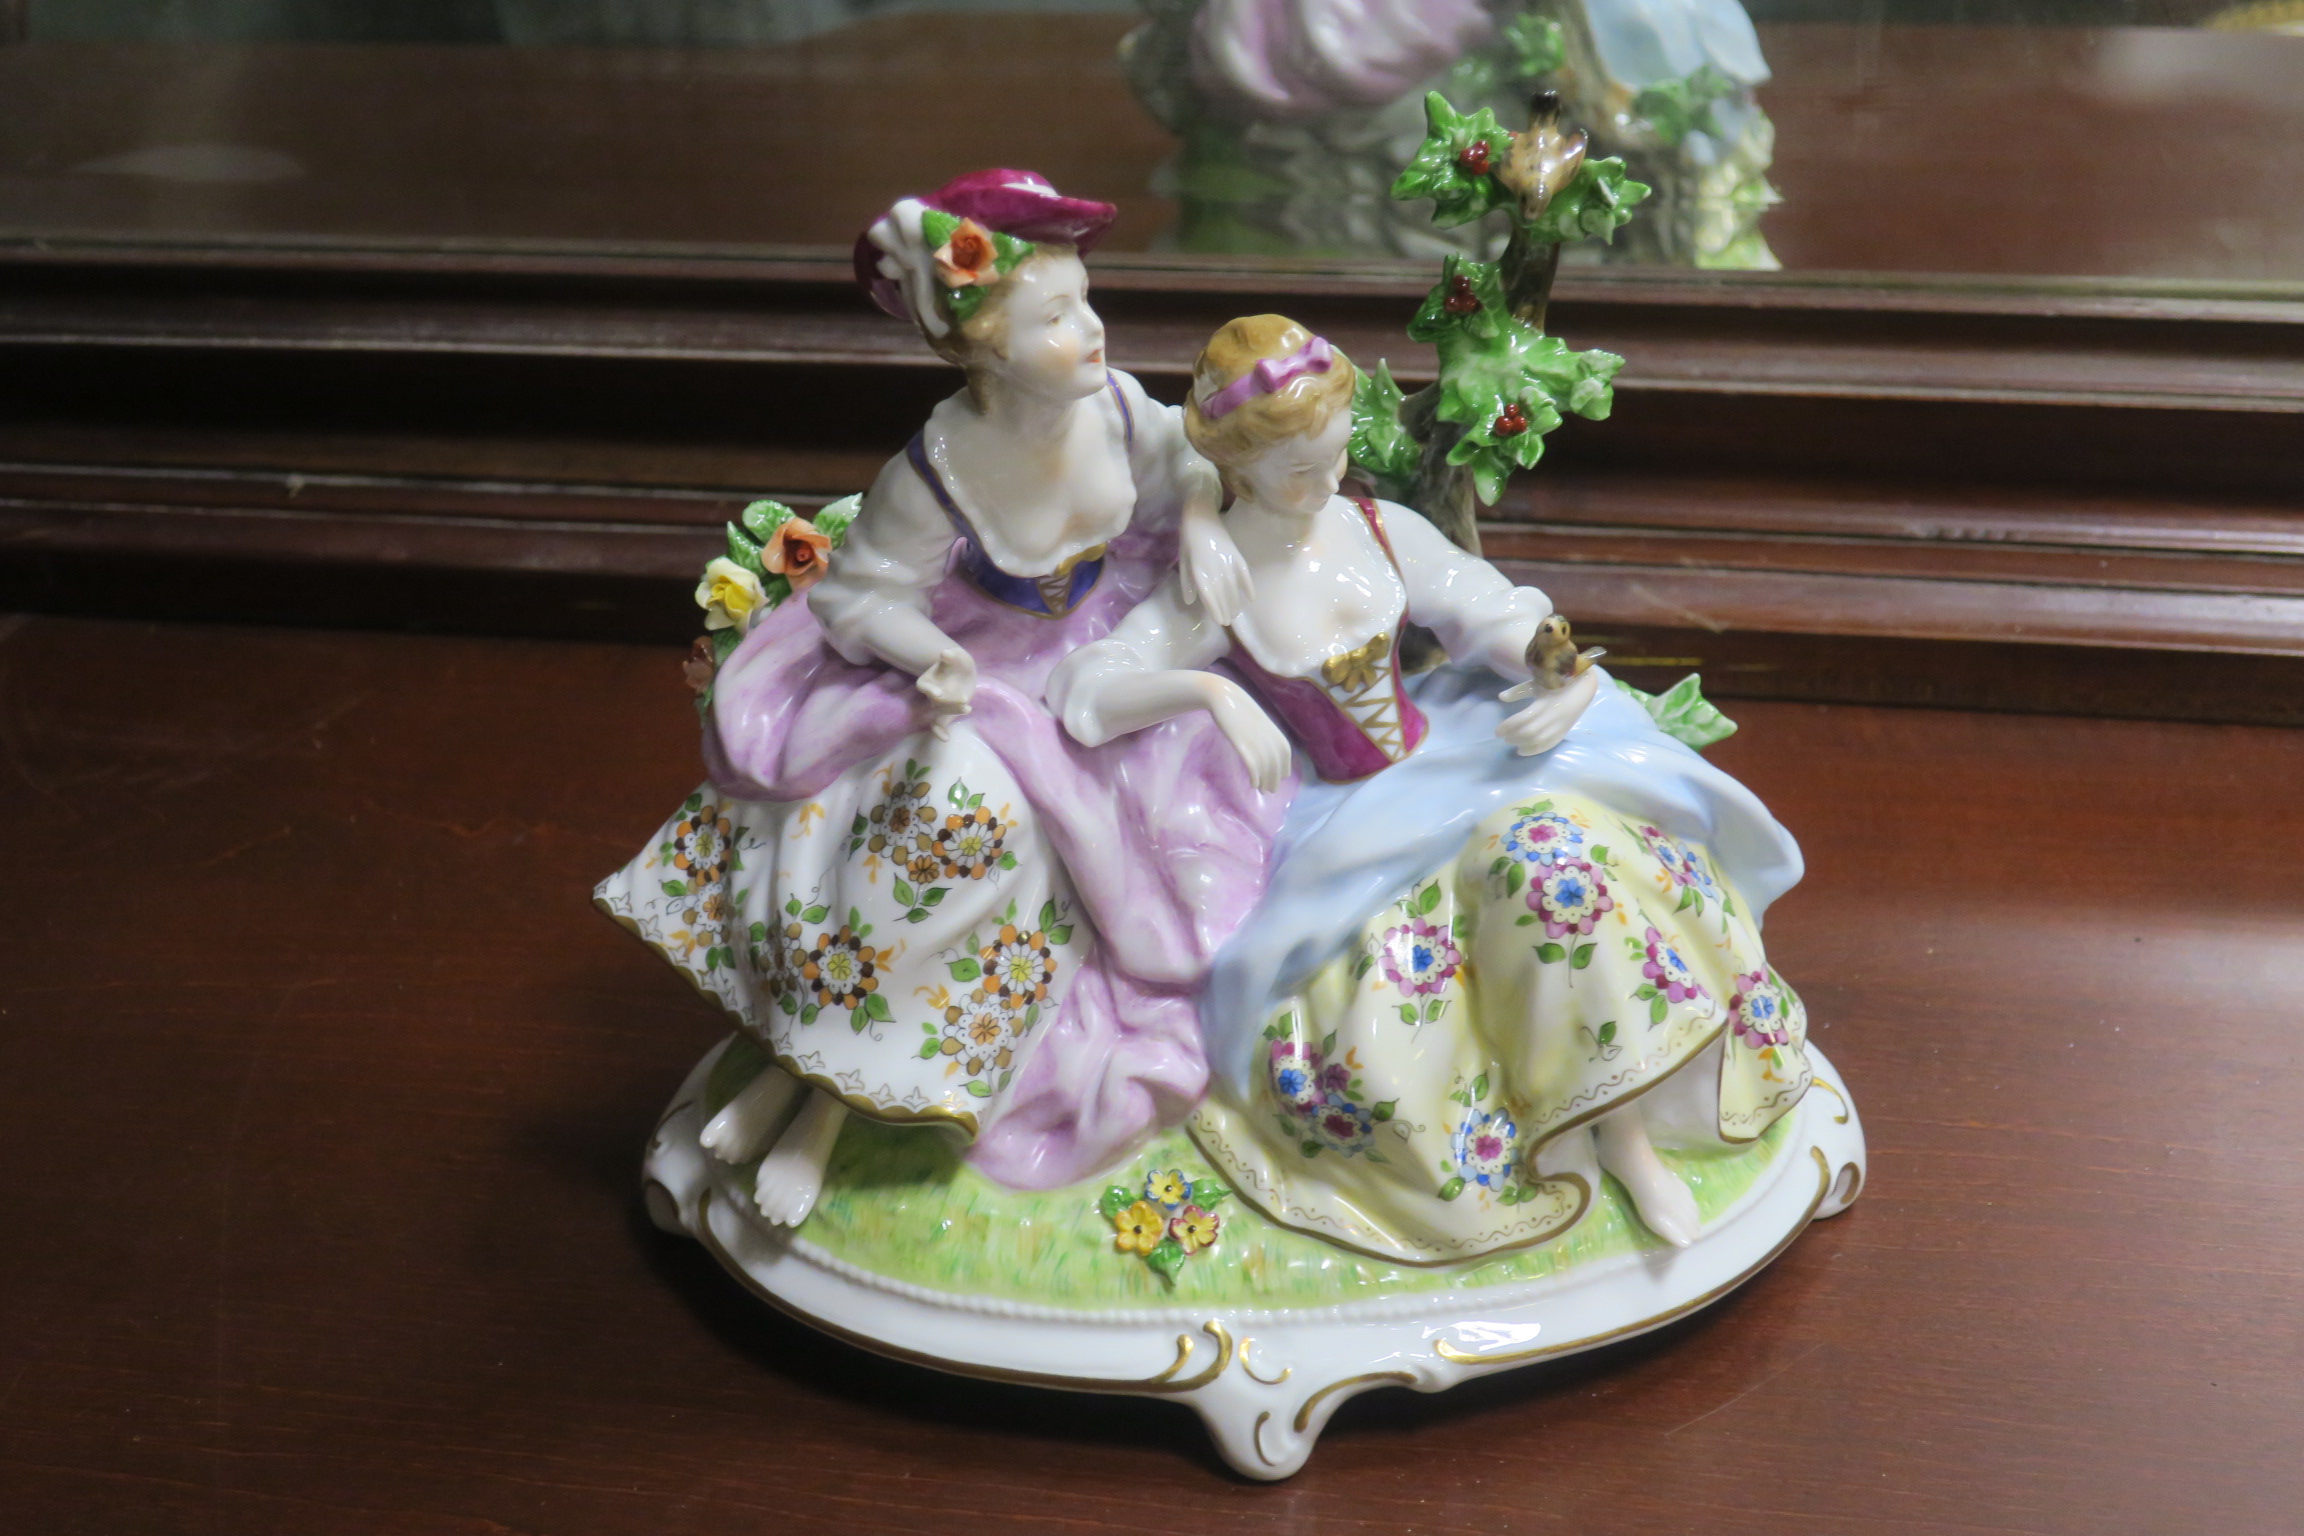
(797, 551)
(967, 260)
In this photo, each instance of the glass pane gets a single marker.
(2094, 138)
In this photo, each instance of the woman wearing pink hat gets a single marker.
(924, 901)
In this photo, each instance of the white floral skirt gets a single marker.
(895, 941)
(1414, 1099)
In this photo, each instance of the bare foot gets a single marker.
(792, 1174)
(1667, 1207)
(745, 1122)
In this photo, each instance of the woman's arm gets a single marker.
(1168, 471)
(1463, 599)
(1148, 670)
(873, 601)
(1480, 617)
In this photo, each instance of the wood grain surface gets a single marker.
(322, 1093)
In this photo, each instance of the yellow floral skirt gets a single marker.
(1423, 1096)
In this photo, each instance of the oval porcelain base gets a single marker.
(1264, 1380)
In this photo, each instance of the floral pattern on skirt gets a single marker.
(896, 941)
(1415, 1096)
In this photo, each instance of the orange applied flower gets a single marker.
(968, 259)
(796, 551)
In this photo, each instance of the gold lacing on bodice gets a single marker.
(1360, 681)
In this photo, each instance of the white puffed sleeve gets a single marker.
(1478, 615)
(1092, 689)
(1168, 473)
(895, 554)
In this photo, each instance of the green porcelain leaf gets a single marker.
(936, 227)
(1381, 446)
(1166, 1259)
(834, 519)
(744, 550)
(761, 519)
(1683, 713)
(1593, 206)
(1502, 380)
(1435, 322)
(1438, 172)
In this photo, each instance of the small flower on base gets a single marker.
(1193, 1228)
(1140, 1228)
(730, 596)
(798, 551)
(968, 259)
(1168, 1222)
(1169, 1189)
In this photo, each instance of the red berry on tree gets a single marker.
(1474, 158)
(1511, 423)
(1461, 299)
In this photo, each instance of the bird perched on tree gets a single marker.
(1553, 660)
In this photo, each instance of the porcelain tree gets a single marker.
(1504, 383)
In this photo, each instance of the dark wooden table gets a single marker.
(322, 1091)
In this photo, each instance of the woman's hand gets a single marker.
(949, 683)
(1214, 571)
(1542, 725)
(1260, 743)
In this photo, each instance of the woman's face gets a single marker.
(1299, 474)
(1053, 340)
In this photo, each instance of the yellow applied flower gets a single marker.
(730, 596)
(1166, 1188)
(1140, 1227)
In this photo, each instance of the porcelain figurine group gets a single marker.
(1067, 804)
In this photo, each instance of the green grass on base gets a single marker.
(900, 1202)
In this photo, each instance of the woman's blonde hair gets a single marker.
(1299, 408)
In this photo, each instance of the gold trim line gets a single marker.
(1163, 1384)
(1449, 1352)
(1249, 1371)
(1373, 1378)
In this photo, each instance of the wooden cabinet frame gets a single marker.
(2019, 494)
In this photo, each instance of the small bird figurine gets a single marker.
(1553, 660)
(1544, 159)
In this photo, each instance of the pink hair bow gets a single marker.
(1269, 377)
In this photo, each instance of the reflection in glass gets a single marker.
(2120, 139)
(1295, 115)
